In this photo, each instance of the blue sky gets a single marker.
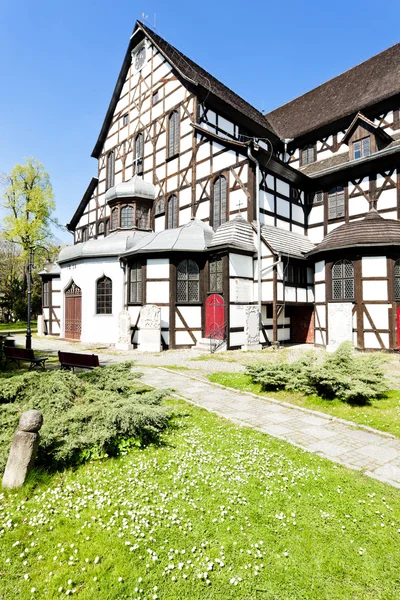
(59, 62)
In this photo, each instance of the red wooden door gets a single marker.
(73, 312)
(215, 317)
(398, 328)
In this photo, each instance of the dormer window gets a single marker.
(362, 148)
(308, 155)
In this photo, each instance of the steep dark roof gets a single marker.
(286, 242)
(190, 71)
(373, 230)
(366, 84)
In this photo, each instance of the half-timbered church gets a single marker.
(214, 211)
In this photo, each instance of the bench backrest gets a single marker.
(78, 360)
(19, 353)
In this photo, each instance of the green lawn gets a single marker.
(383, 414)
(215, 512)
(17, 326)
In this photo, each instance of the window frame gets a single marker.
(396, 280)
(139, 154)
(361, 151)
(308, 155)
(85, 234)
(114, 226)
(342, 278)
(223, 215)
(103, 292)
(46, 294)
(182, 282)
(172, 216)
(333, 195)
(173, 134)
(124, 210)
(101, 228)
(215, 261)
(135, 267)
(110, 170)
(125, 119)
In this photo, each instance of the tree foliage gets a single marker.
(28, 200)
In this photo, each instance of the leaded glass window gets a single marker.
(215, 275)
(127, 216)
(114, 218)
(362, 148)
(308, 155)
(188, 282)
(219, 201)
(138, 162)
(46, 293)
(100, 228)
(172, 212)
(104, 296)
(135, 283)
(110, 170)
(173, 133)
(343, 280)
(160, 207)
(142, 217)
(397, 280)
(107, 230)
(336, 203)
(85, 234)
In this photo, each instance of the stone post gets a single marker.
(251, 329)
(40, 325)
(150, 329)
(124, 331)
(23, 449)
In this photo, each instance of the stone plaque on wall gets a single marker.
(150, 329)
(340, 324)
(252, 329)
(124, 331)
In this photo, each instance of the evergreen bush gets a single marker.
(86, 416)
(344, 375)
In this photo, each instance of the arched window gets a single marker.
(114, 218)
(138, 161)
(172, 212)
(188, 282)
(396, 273)
(308, 155)
(142, 216)
(135, 283)
(104, 296)
(107, 229)
(127, 217)
(160, 207)
(219, 201)
(85, 234)
(173, 134)
(336, 203)
(100, 228)
(215, 275)
(343, 280)
(110, 170)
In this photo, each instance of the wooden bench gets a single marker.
(70, 360)
(20, 354)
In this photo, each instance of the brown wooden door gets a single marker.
(73, 312)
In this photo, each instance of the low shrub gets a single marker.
(344, 375)
(86, 416)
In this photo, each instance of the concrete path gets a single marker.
(374, 453)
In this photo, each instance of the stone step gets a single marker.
(207, 345)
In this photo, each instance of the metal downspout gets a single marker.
(259, 287)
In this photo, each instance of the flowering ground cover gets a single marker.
(382, 413)
(214, 512)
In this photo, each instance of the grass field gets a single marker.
(18, 326)
(215, 512)
(383, 414)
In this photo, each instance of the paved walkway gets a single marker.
(356, 447)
